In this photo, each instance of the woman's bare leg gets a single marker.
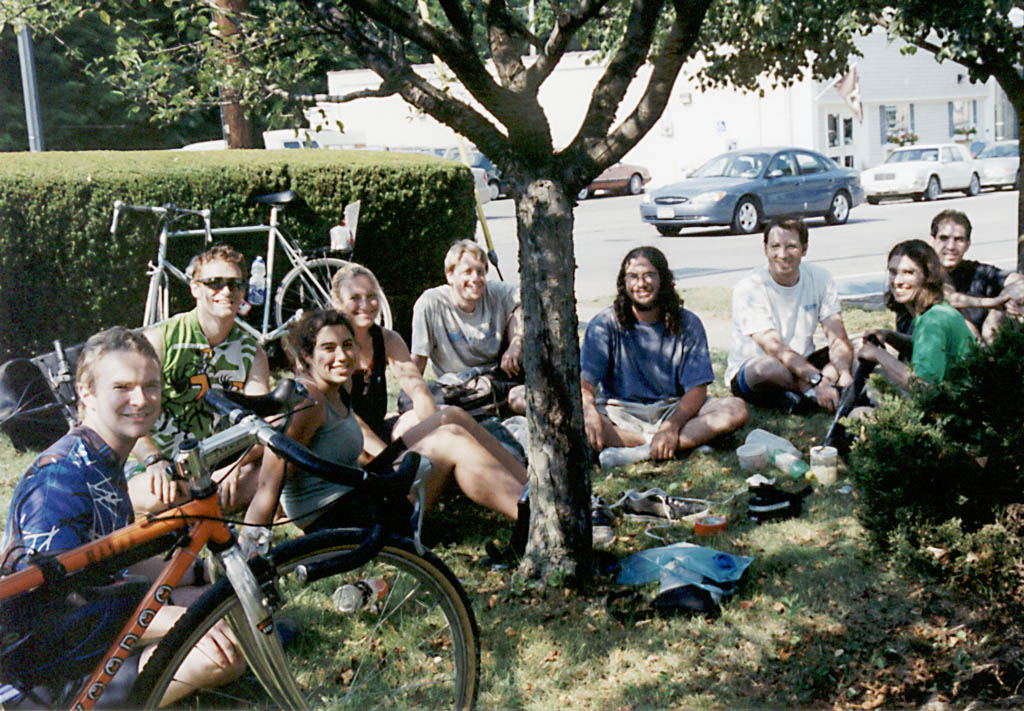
(458, 416)
(482, 476)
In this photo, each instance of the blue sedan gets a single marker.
(745, 188)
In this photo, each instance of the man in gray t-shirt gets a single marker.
(466, 323)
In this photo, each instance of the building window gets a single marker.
(897, 124)
(963, 118)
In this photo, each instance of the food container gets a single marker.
(752, 456)
(825, 465)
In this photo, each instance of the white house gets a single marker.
(903, 95)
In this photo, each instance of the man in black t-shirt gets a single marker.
(983, 293)
(996, 288)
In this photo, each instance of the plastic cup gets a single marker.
(825, 465)
(752, 456)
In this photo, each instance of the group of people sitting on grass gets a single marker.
(649, 357)
(645, 374)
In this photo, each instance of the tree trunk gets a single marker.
(236, 128)
(560, 528)
(1018, 107)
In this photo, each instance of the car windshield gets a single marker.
(731, 165)
(929, 154)
(1005, 150)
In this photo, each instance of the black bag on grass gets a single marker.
(29, 413)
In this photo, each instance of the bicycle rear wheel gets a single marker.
(418, 647)
(308, 286)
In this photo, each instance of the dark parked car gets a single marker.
(619, 178)
(744, 188)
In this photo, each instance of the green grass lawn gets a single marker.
(819, 623)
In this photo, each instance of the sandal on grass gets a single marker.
(656, 504)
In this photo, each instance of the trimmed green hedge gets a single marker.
(62, 274)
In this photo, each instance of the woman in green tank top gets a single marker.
(941, 335)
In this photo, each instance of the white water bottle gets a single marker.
(355, 596)
(781, 451)
(258, 282)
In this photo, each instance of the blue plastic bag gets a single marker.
(684, 564)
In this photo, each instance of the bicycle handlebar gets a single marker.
(161, 211)
(390, 482)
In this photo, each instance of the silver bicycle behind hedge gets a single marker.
(305, 286)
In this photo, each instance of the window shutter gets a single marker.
(974, 110)
(881, 122)
(911, 118)
(949, 105)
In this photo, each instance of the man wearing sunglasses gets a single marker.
(200, 349)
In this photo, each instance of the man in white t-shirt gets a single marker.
(469, 322)
(775, 311)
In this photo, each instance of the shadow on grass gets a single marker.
(818, 623)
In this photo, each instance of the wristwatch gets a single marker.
(153, 459)
(815, 379)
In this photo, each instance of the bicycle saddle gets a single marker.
(285, 197)
(287, 395)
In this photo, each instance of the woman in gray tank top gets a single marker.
(324, 354)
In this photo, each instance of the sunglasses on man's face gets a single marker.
(218, 283)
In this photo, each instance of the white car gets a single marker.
(923, 173)
(997, 165)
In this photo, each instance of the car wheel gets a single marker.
(933, 190)
(747, 217)
(492, 187)
(668, 230)
(839, 209)
(873, 201)
(974, 187)
(636, 184)
(583, 194)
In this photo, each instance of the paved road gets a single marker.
(608, 227)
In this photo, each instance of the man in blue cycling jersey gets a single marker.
(75, 492)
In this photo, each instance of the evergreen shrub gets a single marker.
(942, 472)
(62, 274)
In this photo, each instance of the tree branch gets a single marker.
(460, 57)
(501, 33)
(565, 28)
(601, 148)
(394, 71)
(384, 90)
(460, 21)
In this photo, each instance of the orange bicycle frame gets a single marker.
(206, 520)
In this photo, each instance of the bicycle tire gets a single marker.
(416, 648)
(296, 292)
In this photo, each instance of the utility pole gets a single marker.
(29, 88)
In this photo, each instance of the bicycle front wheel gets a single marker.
(308, 286)
(415, 648)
